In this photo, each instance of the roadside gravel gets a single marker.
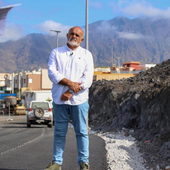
(122, 151)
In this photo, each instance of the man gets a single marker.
(70, 68)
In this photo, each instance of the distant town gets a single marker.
(26, 85)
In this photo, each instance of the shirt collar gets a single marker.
(70, 51)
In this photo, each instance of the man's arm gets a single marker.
(72, 85)
(53, 73)
(75, 87)
(57, 77)
(86, 80)
(87, 77)
(66, 96)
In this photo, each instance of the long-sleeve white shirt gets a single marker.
(76, 66)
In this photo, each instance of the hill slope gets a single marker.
(140, 39)
(139, 104)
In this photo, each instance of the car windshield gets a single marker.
(43, 105)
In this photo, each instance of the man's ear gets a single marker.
(82, 39)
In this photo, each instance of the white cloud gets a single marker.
(131, 36)
(12, 32)
(136, 8)
(105, 27)
(15, 32)
(96, 4)
(146, 10)
(51, 25)
(119, 6)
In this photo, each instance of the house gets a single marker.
(26, 80)
(132, 64)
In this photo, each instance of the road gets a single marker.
(23, 148)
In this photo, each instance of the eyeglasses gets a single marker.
(74, 34)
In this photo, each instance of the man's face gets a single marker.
(75, 37)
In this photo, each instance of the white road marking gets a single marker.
(24, 144)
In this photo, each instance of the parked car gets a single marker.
(40, 113)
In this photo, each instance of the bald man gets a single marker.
(70, 68)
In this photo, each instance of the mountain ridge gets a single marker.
(139, 39)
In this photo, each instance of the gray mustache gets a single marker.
(73, 39)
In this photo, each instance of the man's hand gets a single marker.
(75, 87)
(66, 96)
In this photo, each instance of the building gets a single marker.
(111, 76)
(102, 69)
(39, 81)
(5, 82)
(147, 66)
(129, 69)
(136, 66)
(132, 64)
(26, 80)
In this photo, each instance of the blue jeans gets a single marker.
(78, 115)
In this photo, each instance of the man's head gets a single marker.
(75, 37)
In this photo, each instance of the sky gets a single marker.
(41, 16)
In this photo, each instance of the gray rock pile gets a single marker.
(139, 104)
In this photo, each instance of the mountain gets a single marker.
(28, 53)
(140, 39)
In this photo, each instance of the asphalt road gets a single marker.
(23, 148)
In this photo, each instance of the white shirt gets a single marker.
(76, 66)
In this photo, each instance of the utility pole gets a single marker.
(87, 47)
(57, 35)
(118, 58)
(87, 28)
(19, 86)
(112, 56)
(9, 116)
(12, 83)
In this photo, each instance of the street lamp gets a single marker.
(57, 35)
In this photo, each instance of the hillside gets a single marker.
(140, 39)
(138, 105)
(28, 53)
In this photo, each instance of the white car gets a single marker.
(40, 112)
